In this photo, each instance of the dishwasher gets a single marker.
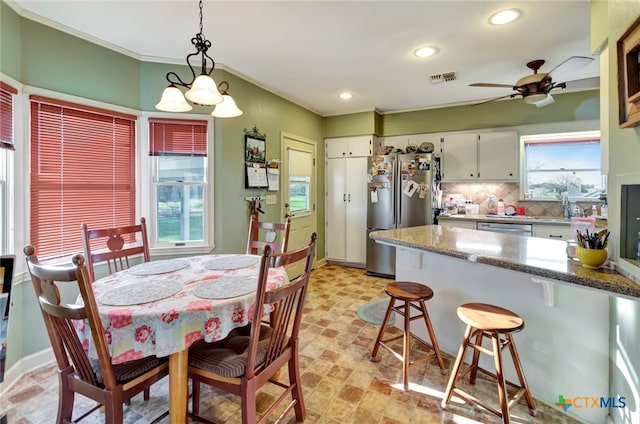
(506, 228)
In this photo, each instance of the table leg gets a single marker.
(178, 370)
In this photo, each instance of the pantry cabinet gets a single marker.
(490, 156)
(346, 202)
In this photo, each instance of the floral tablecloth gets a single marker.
(172, 323)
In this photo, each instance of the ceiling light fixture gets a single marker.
(504, 17)
(346, 95)
(425, 51)
(201, 90)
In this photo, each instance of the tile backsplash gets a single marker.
(509, 192)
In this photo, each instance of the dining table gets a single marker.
(162, 307)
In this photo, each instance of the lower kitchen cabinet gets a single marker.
(346, 210)
(458, 223)
(556, 232)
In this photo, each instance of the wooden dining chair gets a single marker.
(109, 385)
(115, 246)
(275, 234)
(250, 356)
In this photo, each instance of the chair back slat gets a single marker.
(114, 246)
(59, 317)
(288, 302)
(261, 234)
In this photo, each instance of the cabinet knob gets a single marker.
(350, 153)
(471, 175)
(511, 174)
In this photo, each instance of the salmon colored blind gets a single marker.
(6, 115)
(177, 137)
(82, 170)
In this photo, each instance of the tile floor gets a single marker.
(340, 384)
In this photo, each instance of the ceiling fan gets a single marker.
(535, 88)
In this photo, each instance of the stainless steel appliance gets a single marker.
(506, 228)
(400, 194)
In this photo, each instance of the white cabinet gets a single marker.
(498, 156)
(460, 157)
(346, 210)
(344, 147)
(490, 156)
(556, 232)
(458, 223)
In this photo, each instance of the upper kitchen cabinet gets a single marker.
(487, 156)
(460, 157)
(343, 147)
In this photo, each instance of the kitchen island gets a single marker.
(564, 346)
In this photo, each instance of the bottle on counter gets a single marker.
(453, 208)
(491, 206)
(500, 208)
(594, 210)
(604, 210)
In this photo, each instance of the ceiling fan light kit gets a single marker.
(201, 90)
(535, 88)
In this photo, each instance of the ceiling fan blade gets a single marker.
(583, 83)
(495, 98)
(568, 67)
(486, 84)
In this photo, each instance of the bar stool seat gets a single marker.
(498, 324)
(412, 295)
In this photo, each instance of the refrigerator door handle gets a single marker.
(393, 189)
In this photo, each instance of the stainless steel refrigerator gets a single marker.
(400, 194)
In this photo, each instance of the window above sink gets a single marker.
(559, 163)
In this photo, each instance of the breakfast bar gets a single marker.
(564, 346)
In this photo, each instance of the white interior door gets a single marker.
(299, 190)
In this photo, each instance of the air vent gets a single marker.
(446, 77)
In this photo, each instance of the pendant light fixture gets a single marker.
(202, 89)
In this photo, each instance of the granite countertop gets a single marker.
(532, 255)
(518, 219)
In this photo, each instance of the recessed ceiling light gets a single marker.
(346, 95)
(504, 17)
(425, 51)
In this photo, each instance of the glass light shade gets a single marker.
(172, 100)
(204, 91)
(546, 101)
(226, 109)
(532, 99)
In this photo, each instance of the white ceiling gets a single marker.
(310, 51)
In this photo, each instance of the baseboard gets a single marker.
(25, 365)
(320, 263)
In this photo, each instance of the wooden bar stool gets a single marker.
(490, 321)
(413, 295)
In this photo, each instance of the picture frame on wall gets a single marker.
(255, 149)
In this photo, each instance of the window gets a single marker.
(563, 163)
(7, 143)
(179, 150)
(82, 170)
(299, 193)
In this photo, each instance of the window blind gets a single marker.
(82, 170)
(177, 137)
(6, 115)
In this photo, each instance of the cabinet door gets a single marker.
(360, 146)
(336, 209)
(556, 232)
(459, 157)
(356, 219)
(335, 147)
(498, 156)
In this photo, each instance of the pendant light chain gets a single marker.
(200, 5)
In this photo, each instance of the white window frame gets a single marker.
(577, 135)
(149, 172)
